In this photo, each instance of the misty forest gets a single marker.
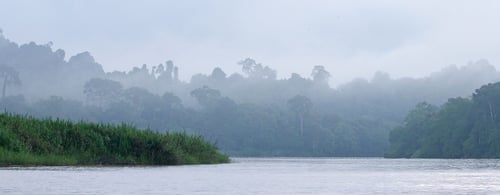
(254, 113)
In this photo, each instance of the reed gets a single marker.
(25, 140)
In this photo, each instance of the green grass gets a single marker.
(29, 141)
(25, 158)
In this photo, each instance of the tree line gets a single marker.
(252, 113)
(460, 128)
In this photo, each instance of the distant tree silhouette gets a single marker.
(176, 73)
(102, 91)
(256, 70)
(301, 105)
(170, 70)
(218, 74)
(206, 95)
(10, 77)
(320, 75)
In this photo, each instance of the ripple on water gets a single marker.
(264, 176)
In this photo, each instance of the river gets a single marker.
(265, 176)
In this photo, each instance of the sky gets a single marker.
(352, 39)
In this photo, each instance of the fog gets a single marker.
(280, 78)
(350, 39)
(252, 113)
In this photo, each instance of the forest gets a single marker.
(252, 113)
(460, 128)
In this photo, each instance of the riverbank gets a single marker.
(28, 141)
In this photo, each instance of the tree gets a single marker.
(167, 73)
(256, 70)
(218, 74)
(301, 105)
(140, 98)
(298, 82)
(10, 77)
(170, 70)
(176, 73)
(102, 92)
(159, 70)
(407, 140)
(85, 65)
(172, 100)
(452, 126)
(484, 121)
(206, 96)
(487, 102)
(320, 75)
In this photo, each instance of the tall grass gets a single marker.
(26, 140)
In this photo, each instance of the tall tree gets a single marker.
(10, 77)
(320, 75)
(301, 105)
(170, 70)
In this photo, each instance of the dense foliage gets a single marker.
(254, 113)
(461, 128)
(29, 141)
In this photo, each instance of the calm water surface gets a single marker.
(264, 176)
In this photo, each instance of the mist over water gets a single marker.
(253, 113)
(289, 84)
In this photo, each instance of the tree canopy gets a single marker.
(460, 128)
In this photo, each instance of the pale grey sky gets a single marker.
(350, 38)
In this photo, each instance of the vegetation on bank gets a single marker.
(29, 141)
(461, 128)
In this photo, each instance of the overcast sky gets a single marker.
(350, 38)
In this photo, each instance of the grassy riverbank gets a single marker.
(29, 141)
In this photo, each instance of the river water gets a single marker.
(265, 176)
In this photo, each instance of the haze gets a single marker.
(351, 39)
